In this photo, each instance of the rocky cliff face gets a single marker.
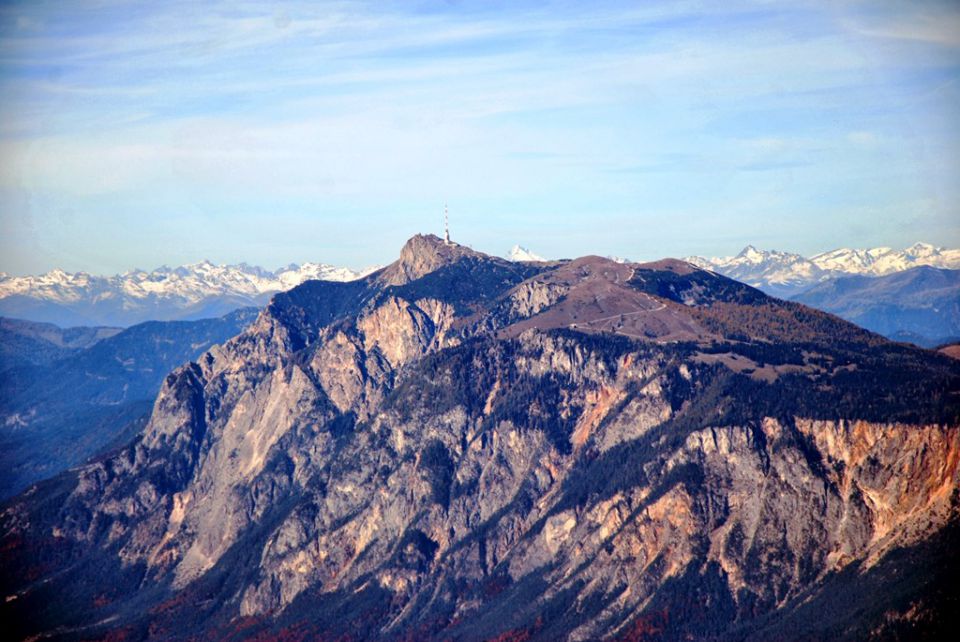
(531, 454)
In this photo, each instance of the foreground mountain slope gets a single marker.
(463, 447)
(921, 303)
(57, 414)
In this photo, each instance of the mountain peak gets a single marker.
(751, 253)
(520, 253)
(922, 249)
(423, 241)
(423, 254)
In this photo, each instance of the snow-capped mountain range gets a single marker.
(203, 290)
(786, 274)
(188, 292)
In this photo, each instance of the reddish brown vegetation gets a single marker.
(173, 603)
(513, 636)
(519, 635)
(11, 545)
(116, 635)
(647, 627)
(779, 321)
(245, 629)
(296, 633)
(494, 585)
(951, 350)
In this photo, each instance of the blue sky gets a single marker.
(141, 134)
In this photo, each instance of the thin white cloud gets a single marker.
(938, 29)
(356, 101)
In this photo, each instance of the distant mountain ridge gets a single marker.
(920, 305)
(199, 290)
(73, 397)
(28, 343)
(881, 261)
(786, 274)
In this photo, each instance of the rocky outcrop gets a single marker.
(422, 255)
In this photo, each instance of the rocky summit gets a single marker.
(461, 447)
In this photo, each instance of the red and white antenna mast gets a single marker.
(446, 225)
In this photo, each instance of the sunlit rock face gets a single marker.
(461, 447)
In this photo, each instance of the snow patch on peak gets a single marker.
(518, 253)
(703, 262)
(752, 254)
(923, 250)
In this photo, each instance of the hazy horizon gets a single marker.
(271, 133)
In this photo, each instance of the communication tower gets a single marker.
(446, 225)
